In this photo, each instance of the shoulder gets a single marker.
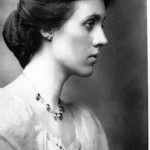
(82, 111)
(89, 127)
(14, 115)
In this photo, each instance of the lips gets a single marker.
(94, 55)
(93, 58)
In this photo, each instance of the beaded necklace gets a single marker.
(56, 115)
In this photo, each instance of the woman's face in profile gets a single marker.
(77, 43)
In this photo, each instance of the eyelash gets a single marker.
(89, 24)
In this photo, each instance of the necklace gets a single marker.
(56, 115)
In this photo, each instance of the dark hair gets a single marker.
(21, 31)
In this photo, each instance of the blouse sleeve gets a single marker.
(15, 125)
(89, 129)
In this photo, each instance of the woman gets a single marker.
(52, 40)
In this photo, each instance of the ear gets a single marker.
(47, 34)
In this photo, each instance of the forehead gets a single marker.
(85, 8)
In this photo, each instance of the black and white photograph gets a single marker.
(73, 75)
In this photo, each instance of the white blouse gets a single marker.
(20, 130)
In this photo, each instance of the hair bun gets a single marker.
(11, 31)
(20, 37)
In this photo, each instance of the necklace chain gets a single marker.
(49, 109)
(56, 115)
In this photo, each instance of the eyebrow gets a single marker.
(97, 17)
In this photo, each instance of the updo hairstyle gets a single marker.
(21, 30)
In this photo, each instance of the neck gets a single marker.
(47, 77)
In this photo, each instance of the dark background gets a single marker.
(117, 91)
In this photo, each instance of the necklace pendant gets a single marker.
(62, 109)
(58, 116)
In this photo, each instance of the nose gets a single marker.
(99, 38)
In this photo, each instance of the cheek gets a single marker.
(80, 43)
(72, 45)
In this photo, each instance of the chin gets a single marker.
(85, 73)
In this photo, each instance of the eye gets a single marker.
(90, 24)
(103, 23)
